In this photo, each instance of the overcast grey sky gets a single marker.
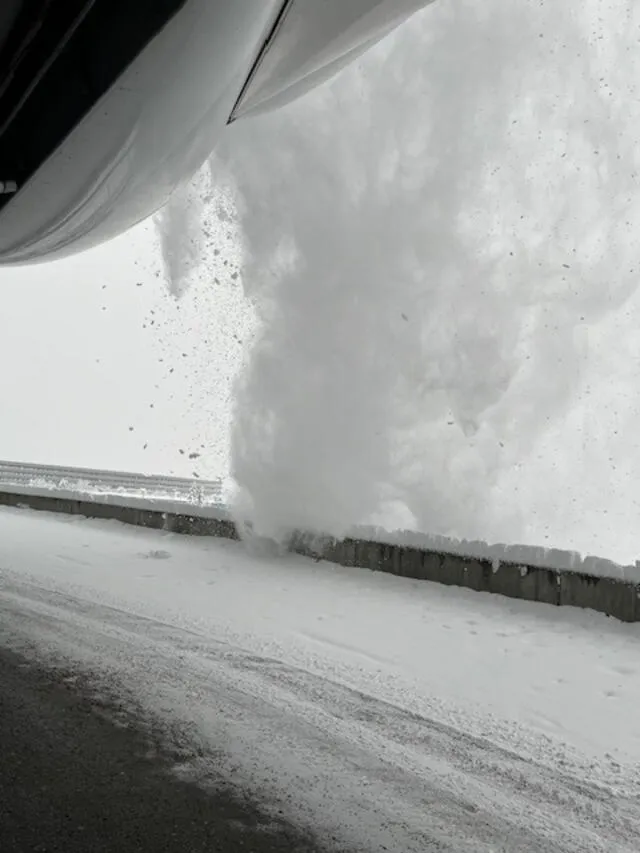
(102, 366)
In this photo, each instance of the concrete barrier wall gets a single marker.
(156, 519)
(614, 597)
(528, 555)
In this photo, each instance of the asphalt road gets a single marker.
(74, 779)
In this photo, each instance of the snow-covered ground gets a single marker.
(386, 713)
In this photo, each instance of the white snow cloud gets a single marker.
(430, 241)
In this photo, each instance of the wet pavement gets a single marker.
(75, 779)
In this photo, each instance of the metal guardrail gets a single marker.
(92, 482)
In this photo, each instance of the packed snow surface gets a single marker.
(388, 714)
